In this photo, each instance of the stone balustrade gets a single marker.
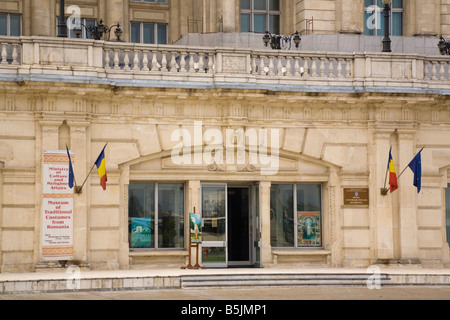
(125, 61)
(10, 51)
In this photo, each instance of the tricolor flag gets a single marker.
(101, 167)
(71, 175)
(393, 183)
(416, 167)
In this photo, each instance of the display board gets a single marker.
(57, 207)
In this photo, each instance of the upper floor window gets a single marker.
(154, 33)
(10, 25)
(374, 18)
(260, 16)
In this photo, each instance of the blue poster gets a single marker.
(141, 233)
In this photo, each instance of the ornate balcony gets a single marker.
(126, 64)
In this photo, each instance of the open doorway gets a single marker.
(231, 231)
(238, 226)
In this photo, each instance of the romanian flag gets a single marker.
(101, 167)
(392, 174)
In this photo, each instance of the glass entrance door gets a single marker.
(256, 223)
(214, 230)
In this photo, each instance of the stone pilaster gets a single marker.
(79, 145)
(382, 209)
(350, 16)
(193, 201)
(228, 13)
(409, 250)
(266, 248)
(117, 12)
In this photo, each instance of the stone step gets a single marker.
(278, 280)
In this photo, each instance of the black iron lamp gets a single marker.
(444, 46)
(387, 39)
(100, 29)
(278, 42)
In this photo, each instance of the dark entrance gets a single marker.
(238, 226)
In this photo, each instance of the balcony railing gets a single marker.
(40, 56)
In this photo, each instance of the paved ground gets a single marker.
(300, 293)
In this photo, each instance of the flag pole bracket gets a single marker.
(384, 191)
(78, 190)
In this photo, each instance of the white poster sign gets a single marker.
(57, 208)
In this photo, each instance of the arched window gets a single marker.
(374, 18)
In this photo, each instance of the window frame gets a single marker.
(267, 12)
(155, 32)
(391, 19)
(8, 23)
(295, 220)
(155, 235)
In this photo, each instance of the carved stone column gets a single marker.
(41, 18)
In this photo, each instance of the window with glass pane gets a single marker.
(260, 16)
(141, 213)
(15, 25)
(10, 25)
(245, 22)
(162, 33)
(299, 226)
(170, 215)
(282, 215)
(90, 23)
(374, 18)
(3, 24)
(309, 216)
(135, 32)
(160, 205)
(151, 33)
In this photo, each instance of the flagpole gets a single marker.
(80, 189)
(403, 171)
(387, 169)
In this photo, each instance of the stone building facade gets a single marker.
(418, 18)
(284, 153)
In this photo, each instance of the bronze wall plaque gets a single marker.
(356, 197)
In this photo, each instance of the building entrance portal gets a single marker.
(231, 228)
